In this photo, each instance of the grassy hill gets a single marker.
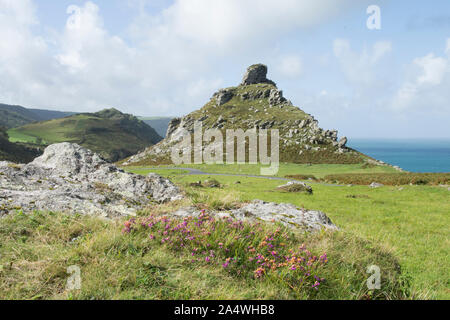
(12, 116)
(258, 103)
(110, 133)
(160, 124)
(15, 152)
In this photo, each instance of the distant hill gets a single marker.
(110, 133)
(15, 152)
(257, 103)
(160, 124)
(12, 116)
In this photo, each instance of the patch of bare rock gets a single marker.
(285, 213)
(69, 178)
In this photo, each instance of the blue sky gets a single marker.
(157, 58)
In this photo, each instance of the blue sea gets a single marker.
(415, 155)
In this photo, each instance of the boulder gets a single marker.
(285, 213)
(342, 142)
(223, 96)
(69, 178)
(296, 186)
(256, 74)
(376, 185)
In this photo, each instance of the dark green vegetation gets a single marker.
(160, 124)
(16, 152)
(110, 133)
(16, 116)
(136, 263)
(392, 179)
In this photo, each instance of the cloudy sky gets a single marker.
(166, 58)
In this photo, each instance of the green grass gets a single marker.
(285, 169)
(412, 220)
(16, 135)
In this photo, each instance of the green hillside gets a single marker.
(110, 133)
(12, 116)
(15, 152)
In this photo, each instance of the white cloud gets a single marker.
(167, 64)
(290, 66)
(361, 67)
(426, 85)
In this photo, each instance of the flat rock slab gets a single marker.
(288, 214)
(69, 178)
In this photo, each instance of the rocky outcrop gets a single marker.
(256, 104)
(223, 96)
(287, 214)
(256, 73)
(69, 178)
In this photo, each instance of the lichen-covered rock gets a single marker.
(70, 178)
(285, 213)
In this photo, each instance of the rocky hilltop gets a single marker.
(258, 103)
(69, 178)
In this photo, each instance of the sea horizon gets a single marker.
(410, 154)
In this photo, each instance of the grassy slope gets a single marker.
(113, 137)
(413, 221)
(38, 248)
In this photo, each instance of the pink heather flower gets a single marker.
(152, 237)
(293, 268)
(207, 259)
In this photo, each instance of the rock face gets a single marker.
(287, 214)
(256, 73)
(69, 178)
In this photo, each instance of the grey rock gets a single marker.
(306, 187)
(69, 178)
(276, 97)
(342, 142)
(223, 96)
(285, 213)
(375, 185)
(256, 74)
(173, 125)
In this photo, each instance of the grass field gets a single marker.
(413, 221)
(285, 169)
(403, 230)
